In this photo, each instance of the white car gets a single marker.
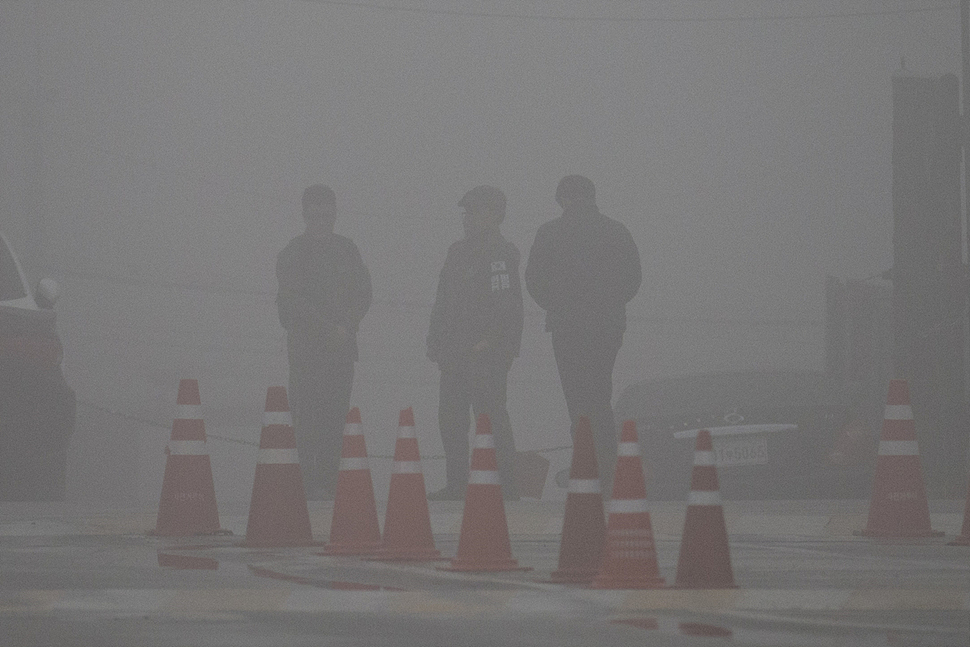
(37, 407)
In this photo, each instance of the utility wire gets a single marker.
(152, 423)
(418, 305)
(226, 439)
(373, 6)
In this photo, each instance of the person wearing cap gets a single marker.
(324, 292)
(475, 333)
(583, 269)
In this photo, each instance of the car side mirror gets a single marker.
(47, 293)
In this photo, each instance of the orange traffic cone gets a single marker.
(583, 524)
(629, 554)
(278, 513)
(899, 507)
(353, 528)
(964, 538)
(705, 559)
(484, 544)
(407, 523)
(188, 503)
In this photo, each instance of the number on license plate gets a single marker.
(743, 451)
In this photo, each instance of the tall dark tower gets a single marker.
(929, 297)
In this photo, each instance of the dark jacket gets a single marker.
(479, 297)
(322, 284)
(583, 269)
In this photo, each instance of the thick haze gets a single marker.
(748, 159)
(170, 142)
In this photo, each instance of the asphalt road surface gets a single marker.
(83, 575)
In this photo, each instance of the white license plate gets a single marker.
(742, 451)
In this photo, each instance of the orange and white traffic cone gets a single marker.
(899, 507)
(964, 538)
(484, 543)
(278, 513)
(705, 558)
(188, 502)
(629, 553)
(353, 528)
(583, 524)
(407, 523)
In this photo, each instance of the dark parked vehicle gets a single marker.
(37, 407)
(777, 435)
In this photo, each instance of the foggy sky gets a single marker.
(748, 159)
(171, 141)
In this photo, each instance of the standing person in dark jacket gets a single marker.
(583, 269)
(475, 332)
(324, 292)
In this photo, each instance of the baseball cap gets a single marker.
(484, 197)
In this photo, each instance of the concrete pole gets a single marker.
(965, 114)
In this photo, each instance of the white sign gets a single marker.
(735, 430)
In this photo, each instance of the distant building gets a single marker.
(928, 275)
(859, 339)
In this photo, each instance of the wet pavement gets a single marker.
(75, 574)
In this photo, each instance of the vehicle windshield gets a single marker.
(11, 287)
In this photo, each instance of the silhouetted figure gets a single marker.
(324, 292)
(583, 269)
(475, 333)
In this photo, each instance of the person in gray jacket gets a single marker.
(324, 292)
(583, 269)
(475, 333)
